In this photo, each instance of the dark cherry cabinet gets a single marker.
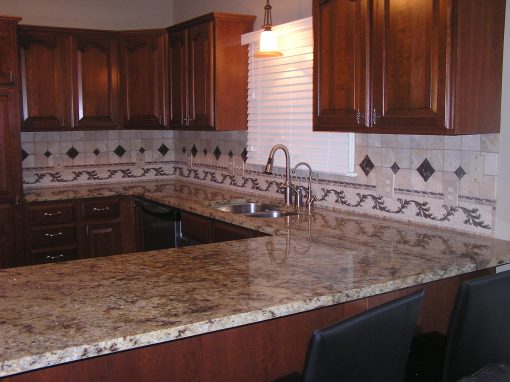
(415, 67)
(208, 72)
(45, 78)
(95, 71)
(11, 222)
(102, 239)
(143, 78)
(8, 58)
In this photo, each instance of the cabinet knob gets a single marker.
(11, 76)
(50, 214)
(99, 209)
(53, 234)
(52, 258)
(19, 201)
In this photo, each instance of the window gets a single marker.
(280, 99)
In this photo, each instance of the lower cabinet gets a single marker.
(207, 230)
(10, 245)
(78, 229)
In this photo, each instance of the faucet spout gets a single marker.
(269, 168)
(309, 198)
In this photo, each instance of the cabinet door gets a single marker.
(143, 79)
(201, 96)
(95, 80)
(225, 232)
(409, 65)
(340, 65)
(8, 63)
(178, 74)
(8, 253)
(45, 79)
(10, 151)
(102, 239)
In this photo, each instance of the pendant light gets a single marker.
(268, 38)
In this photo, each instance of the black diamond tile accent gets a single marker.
(119, 151)
(194, 151)
(183, 150)
(230, 154)
(163, 149)
(460, 173)
(426, 170)
(96, 152)
(205, 152)
(395, 168)
(244, 155)
(141, 150)
(47, 154)
(367, 165)
(72, 153)
(24, 155)
(217, 153)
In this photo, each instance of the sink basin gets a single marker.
(257, 210)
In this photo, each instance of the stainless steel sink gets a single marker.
(257, 210)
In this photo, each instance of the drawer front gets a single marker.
(226, 232)
(100, 209)
(51, 214)
(53, 236)
(54, 256)
(196, 227)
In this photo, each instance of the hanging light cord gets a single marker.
(268, 20)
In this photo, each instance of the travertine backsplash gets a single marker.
(420, 164)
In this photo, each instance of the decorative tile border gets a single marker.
(472, 214)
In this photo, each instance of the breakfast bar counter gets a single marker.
(57, 313)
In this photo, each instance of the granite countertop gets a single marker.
(68, 311)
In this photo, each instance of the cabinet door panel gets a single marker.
(409, 63)
(340, 67)
(102, 239)
(8, 253)
(201, 88)
(8, 63)
(45, 79)
(143, 79)
(177, 58)
(95, 71)
(10, 157)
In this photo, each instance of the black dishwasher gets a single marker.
(160, 225)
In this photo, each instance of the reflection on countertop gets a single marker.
(61, 312)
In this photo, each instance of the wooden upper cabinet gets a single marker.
(340, 64)
(143, 78)
(45, 78)
(201, 95)
(178, 89)
(95, 80)
(409, 65)
(208, 69)
(10, 157)
(428, 67)
(8, 59)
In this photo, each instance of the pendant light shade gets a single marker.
(268, 38)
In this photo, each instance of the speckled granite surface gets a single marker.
(50, 314)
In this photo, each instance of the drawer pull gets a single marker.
(51, 258)
(56, 213)
(97, 209)
(53, 234)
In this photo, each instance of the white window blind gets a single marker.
(280, 97)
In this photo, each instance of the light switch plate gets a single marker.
(58, 162)
(477, 164)
(386, 185)
(451, 193)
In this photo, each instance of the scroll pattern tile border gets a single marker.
(470, 215)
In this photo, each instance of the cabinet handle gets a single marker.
(50, 214)
(53, 234)
(51, 258)
(98, 209)
(374, 117)
(358, 117)
(18, 200)
(11, 76)
(86, 230)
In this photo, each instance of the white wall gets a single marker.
(503, 186)
(94, 14)
(283, 10)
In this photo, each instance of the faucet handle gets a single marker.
(310, 200)
(298, 199)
